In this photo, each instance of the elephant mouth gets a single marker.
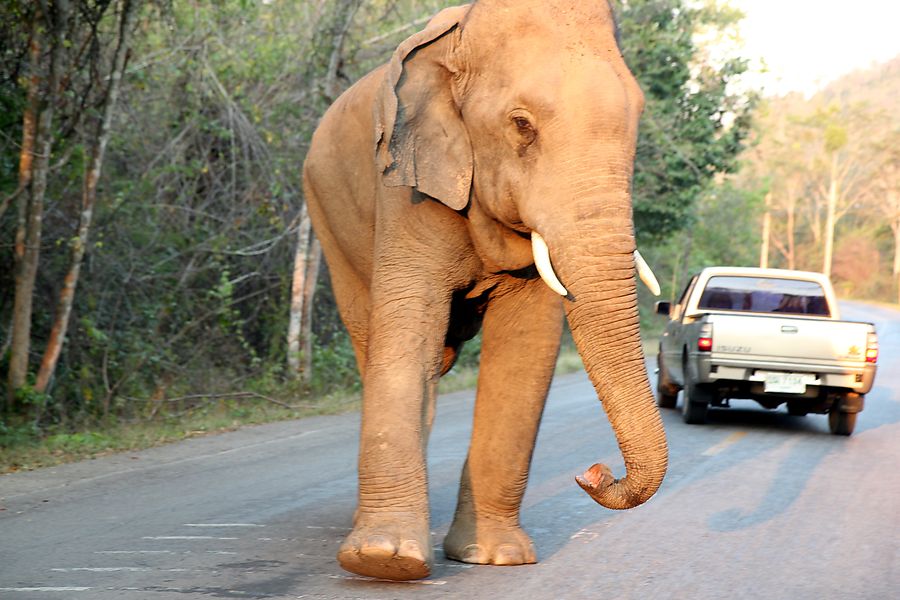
(545, 268)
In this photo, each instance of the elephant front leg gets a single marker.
(391, 538)
(520, 343)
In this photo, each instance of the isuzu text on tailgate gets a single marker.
(769, 335)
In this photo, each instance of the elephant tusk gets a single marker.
(542, 262)
(646, 273)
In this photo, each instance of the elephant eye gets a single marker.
(525, 129)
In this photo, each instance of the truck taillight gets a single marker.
(872, 348)
(704, 340)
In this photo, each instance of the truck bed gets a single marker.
(778, 339)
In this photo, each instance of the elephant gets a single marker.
(481, 181)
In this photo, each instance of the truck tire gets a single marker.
(666, 392)
(797, 409)
(695, 400)
(840, 422)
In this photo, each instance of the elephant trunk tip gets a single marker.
(599, 483)
(595, 481)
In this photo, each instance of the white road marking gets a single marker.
(115, 570)
(45, 589)
(585, 534)
(724, 444)
(102, 569)
(185, 537)
(136, 552)
(222, 525)
(317, 556)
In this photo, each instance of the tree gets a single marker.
(884, 197)
(49, 22)
(779, 162)
(694, 125)
(308, 255)
(843, 168)
(829, 166)
(183, 249)
(96, 143)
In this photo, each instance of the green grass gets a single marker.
(23, 448)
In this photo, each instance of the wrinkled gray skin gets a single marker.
(425, 181)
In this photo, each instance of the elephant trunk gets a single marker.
(598, 270)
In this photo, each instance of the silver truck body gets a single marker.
(727, 337)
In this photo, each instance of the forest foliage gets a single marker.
(829, 166)
(185, 287)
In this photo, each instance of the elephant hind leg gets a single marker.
(351, 293)
(352, 299)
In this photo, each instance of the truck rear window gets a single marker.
(765, 295)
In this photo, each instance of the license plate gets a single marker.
(785, 383)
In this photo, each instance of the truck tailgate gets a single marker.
(786, 339)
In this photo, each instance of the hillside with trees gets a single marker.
(155, 255)
(826, 169)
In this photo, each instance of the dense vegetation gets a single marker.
(186, 253)
(829, 166)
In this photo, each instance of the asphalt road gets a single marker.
(756, 504)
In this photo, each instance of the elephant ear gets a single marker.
(421, 141)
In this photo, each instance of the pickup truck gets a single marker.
(770, 335)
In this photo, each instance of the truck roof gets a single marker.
(703, 278)
(776, 273)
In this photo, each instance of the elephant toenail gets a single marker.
(472, 554)
(379, 546)
(411, 549)
(508, 555)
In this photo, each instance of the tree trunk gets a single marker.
(686, 254)
(296, 333)
(791, 235)
(767, 224)
(894, 201)
(895, 225)
(33, 167)
(309, 296)
(29, 124)
(88, 200)
(346, 12)
(308, 255)
(831, 218)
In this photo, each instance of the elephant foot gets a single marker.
(388, 547)
(485, 542)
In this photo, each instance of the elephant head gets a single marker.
(522, 115)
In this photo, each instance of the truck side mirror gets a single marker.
(664, 308)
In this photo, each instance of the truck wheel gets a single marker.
(797, 409)
(664, 400)
(666, 392)
(841, 423)
(695, 401)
